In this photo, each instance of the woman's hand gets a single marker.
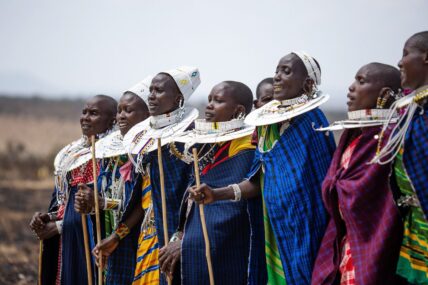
(169, 255)
(202, 195)
(106, 248)
(84, 200)
(49, 230)
(38, 221)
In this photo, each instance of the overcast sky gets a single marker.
(80, 48)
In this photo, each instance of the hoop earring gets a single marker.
(312, 92)
(240, 116)
(381, 101)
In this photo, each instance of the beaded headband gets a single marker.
(314, 72)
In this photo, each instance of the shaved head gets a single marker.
(108, 103)
(385, 75)
(420, 41)
(241, 94)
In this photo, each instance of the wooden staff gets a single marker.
(87, 251)
(40, 261)
(97, 211)
(204, 225)
(163, 197)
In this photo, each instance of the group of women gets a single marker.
(255, 193)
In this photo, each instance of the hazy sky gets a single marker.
(79, 48)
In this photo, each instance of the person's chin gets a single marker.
(123, 130)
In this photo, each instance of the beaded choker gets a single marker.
(369, 114)
(298, 100)
(160, 121)
(421, 95)
(204, 127)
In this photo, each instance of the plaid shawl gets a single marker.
(371, 220)
(415, 156)
(234, 251)
(294, 170)
(177, 178)
(73, 265)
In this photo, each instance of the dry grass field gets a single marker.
(31, 132)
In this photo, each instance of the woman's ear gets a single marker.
(112, 122)
(426, 57)
(308, 86)
(239, 112)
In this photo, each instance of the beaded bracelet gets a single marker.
(122, 231)
(111, 204)
(236, 192)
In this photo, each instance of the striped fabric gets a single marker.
(360, 204)
(73, 265)
(72, 244)
(269, 135)
(413, 260)
(294, 170)
(415, 155)
(147, 268)
(177, 178)
(228, 225)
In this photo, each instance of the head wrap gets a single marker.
(142, 88)
(314, 72)
(187, 79)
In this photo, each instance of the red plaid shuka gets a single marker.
(83, 174)
(370, 219)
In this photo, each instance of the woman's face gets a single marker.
(130, 111)
(221, 106)
(164, 95)
(290, 76)
(266, 95)
(95, 118)
(364, 91)
(413, 66)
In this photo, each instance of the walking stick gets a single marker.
(97, 211)
(163, 198)
(87, 251)
(40, 261)
(204, 225)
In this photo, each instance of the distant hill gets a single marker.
(37, 107)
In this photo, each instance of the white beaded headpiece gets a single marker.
(314, 72)
(142, 88)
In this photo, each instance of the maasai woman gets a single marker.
(168, 90)
(61, 228)
(234, 250)
(290, 163)
(264, 92)
(364, 231)
(409, 142)
(119, 182)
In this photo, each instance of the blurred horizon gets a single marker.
(76, 49)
